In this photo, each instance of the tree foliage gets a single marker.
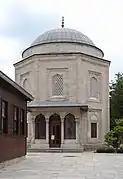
(115, 136)
(110, 139)
(116, 99)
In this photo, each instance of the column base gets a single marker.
(32, 141)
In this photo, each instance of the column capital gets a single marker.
(47, 120)
(77, 120)
(62, 115)
(62, 120)
(33, 118)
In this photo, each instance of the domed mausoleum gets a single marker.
(69, 78)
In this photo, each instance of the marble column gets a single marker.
(47, 130)
(29, 126)
(77, 130)
(62, 131)
(33, 129)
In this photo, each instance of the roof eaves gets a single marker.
(16, 86)
(55, 105)
(65, 53)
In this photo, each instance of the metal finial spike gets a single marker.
(62, 22)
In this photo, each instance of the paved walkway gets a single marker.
(86, 165)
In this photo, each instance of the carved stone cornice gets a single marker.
(94, 73)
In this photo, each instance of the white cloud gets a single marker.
(9, 53)
(9, 49)
(8, 69)
(101, 20)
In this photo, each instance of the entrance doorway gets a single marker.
(55, 131)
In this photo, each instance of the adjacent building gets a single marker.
(69, 78)
(13, 119)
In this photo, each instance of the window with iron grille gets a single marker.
(57, 85)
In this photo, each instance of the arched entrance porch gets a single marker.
(55, 131)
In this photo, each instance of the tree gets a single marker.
(115, 136)
(116, 99)
(110, 139)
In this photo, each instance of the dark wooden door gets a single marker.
(55, 134)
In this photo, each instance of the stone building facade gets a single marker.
(69, 79)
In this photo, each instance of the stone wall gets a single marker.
(63, 48)
(77, 71)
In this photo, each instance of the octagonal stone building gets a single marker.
(69, 79)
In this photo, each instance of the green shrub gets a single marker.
(120, 149)
(121, 145)
(110, 150)
(105, 149)
(110, 139)
(115, 136)
(100, 150)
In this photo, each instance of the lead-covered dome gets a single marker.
(61, 41)
(63, 35)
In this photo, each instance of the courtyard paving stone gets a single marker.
(87, 165)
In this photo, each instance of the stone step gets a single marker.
(56, 150)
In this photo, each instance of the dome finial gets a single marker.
(62, 22)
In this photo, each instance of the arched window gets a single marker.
(69, 127)
(26, 84)
(94, 88)
(40, 127)
(57, 85)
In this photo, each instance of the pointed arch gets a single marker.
(54, 116)
(55, 130)
(69, 127)
(40, 127)
(94, 88)
(26, 84)
(94, 117)
(57, 85)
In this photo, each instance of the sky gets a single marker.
(22, 21)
